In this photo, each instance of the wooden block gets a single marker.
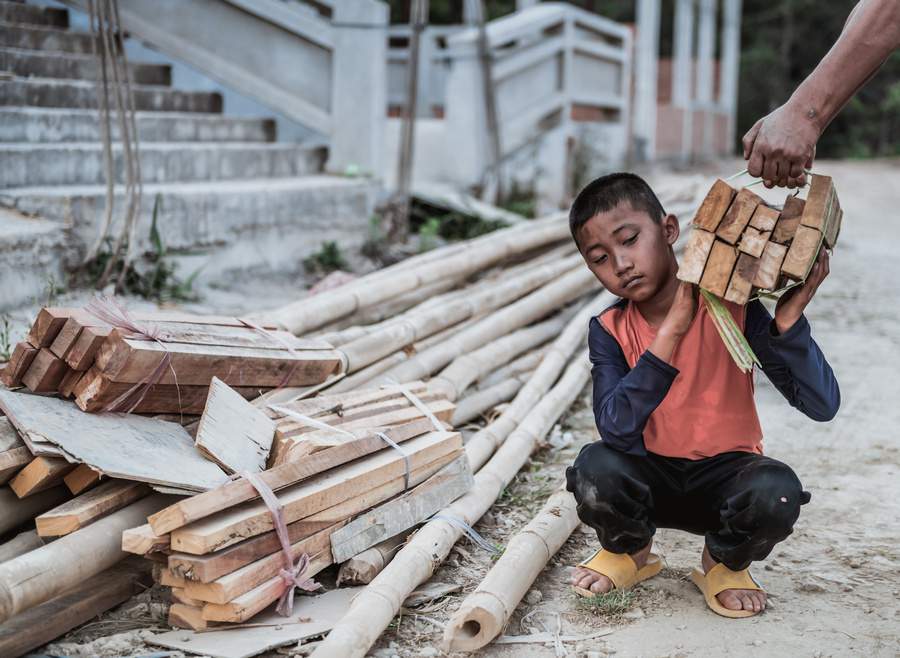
(69, 381)
(741, 285)
(232, 432)
(66, 338)
(714, 206)
(696, 253)
(82, 478)
(802, 253)
(187, 616)
(834, 229)
(40, 474)
(47, 325)
(142, 540)
(167, 579)
(318, 493)
(718, 270)
(45, 373)
(19, 362)
(789, 220)
(753, 241)
(815, 212)
(179, 596)
(82, 353)
(12, 461)
(738, 216)
(769, 270)
(88, 507)
(764, 218)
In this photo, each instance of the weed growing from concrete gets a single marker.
(328, 259)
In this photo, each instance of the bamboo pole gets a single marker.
(486, 399)
(21, 543)
(362, 569)
(485, 612)
(524, 364)
(45, 572)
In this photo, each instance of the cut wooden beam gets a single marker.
(738, 216)
(15, 511)
(45, 372)
(88, 507)
(764, 218)
(320, 492)
(19, 362)
(232, 432)
(81, 355)
(714, 206)
(20, 544)
(239, 491)
(47, 325)
(802, 254)
(834, 229)
(753, 241)
(66, 338)
(69, 381)
(12, 461)
(187, 616)
(818, 203)
(718, 268)
(82, 478)
(696, 253)
(789, 220)
(741, 285)
(769, 271)
(40, 474)
(142, 540)
(179, 596)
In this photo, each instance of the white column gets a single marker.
(359, 85)
(683, 72)
(646, 79)
(465, 120)
(705, 60)
(730, 66)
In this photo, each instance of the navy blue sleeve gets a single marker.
(624, 397)
(794, 363)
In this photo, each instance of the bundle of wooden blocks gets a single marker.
(739, 245)
(342, 490)
(70, 352)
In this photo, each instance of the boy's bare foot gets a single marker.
(600, 584)
(735, 599)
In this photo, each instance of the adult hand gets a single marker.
(780, 146)
(792, 303)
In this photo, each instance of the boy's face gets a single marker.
(628, 251)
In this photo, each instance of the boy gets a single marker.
(681, 441)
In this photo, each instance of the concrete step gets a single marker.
(78, 163)
(33, 254)
(49, 64)
(15, 12)
(41, 92)
(34, 37)
(37, 124)
(268, 224)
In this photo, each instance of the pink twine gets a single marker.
(110, 311)
(291, 574)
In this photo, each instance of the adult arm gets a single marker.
(781, 144)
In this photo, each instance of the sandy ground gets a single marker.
(834, 585)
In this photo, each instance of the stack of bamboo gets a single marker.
(70, 352)
(740, 245)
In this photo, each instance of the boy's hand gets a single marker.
(682, 312)
(792, 303)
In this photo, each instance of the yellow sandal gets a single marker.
(620, 569)
(717, 581)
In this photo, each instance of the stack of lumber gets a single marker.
(739, 245)
(70, 352)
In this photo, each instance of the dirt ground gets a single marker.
(834, 585)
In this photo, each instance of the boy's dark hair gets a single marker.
(607, 192)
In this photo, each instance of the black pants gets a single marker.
(742, 502)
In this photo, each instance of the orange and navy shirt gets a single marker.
(700, 404)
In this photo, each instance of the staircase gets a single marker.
(226, 187)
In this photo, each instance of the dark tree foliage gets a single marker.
(781, 43)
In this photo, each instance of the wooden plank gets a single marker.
(714, 206)
(834, 229)
(40, 474)
(146, 449)
(127, 360)
(320, 492)
(187, 616)
(764, 218)
(404, 512)
(696, 253)
(82, 478)
(87, 600)
(45, 372)
(738, 216)
(88, 507)
(718, 270)
(143, 540)
(753, 241)
(789, 220)
(12, 461)
(179, 596)
(19, 545)
(741, 285)
(69, 381)
(815, 213)
(19, 361)
(232, 432)
(47, 325)
(343, 403)
(239, 491)
(212, 566)
(802, 253)
(15, 511)
(66, 338)
(81, 355)
(769, 271)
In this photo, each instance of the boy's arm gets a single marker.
(624, 398)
